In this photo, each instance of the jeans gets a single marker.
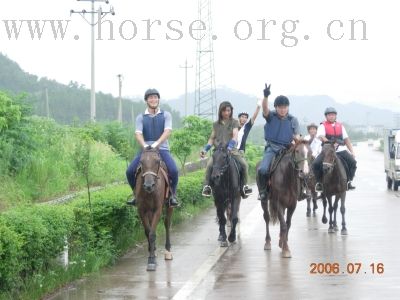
(169, 162)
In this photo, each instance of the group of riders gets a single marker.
(281, 130)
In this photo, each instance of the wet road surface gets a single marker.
(368, 258)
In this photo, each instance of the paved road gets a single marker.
(202, 270)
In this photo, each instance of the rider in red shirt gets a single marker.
(333, 131)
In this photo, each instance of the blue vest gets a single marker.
(153, 127)
(278, 130)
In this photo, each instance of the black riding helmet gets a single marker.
(243, 114)
(330, 110)
(281, 101)
(150, 92)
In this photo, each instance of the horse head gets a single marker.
(301, 157)
(150, 163)
(329, 153)
(221, 159)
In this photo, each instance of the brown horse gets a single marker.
(151, 192)
(334, 181)
(285, 187)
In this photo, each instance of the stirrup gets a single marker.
(206, 191)
(247, 190)
(318, 187)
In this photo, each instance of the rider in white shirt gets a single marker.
(311, 137)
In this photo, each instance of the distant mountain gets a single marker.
(306, 108)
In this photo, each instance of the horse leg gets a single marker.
(308, 214)
(324, 202)
(222, 223)
(330, 229)
(335, 207)
(234, 218)
(343, 211)
(289, 214)
(264, 205)
(283, 234)
(315, 205)
(155, 218)
(167, 224)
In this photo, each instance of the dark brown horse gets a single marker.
(284, 191)
(225, 183)
(334, 181)
(151, 192)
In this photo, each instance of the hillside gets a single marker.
(67, 103)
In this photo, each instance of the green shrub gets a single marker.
(10, 258)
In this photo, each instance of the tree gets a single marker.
(10, 113)
(194, 133)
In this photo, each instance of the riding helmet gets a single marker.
(330, 110)
(150, 92)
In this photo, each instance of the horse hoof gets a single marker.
(168, 255)
(220, 238)
(232, 238)
(331, 230)
(336, 228)
(344, 232)
(224, 244)
(308, 214)
(151, 267)
(324, 220)
(280, 244)
(267, 246)
(314, 214)
(286, 254)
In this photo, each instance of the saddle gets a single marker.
(346, 166)
(274, 164)
(164, 172)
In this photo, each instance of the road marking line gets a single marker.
(247, 227)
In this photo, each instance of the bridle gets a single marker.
(155, 174)
(225, 167)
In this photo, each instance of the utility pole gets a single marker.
(133, 116)
(120, 77)
(47, 103)
(186, 67)
(100, 13)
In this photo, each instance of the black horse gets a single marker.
(334, 181)
(284, 191)
(225, 183)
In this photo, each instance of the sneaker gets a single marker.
(350, 186)
(206, 191)
(131, 202)
(318, 187)
(247, 190)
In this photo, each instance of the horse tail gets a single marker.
(274, 207)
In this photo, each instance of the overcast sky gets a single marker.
(362, 70)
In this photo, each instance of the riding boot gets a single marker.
(132, 201)
(172, 201)
(207, 188)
